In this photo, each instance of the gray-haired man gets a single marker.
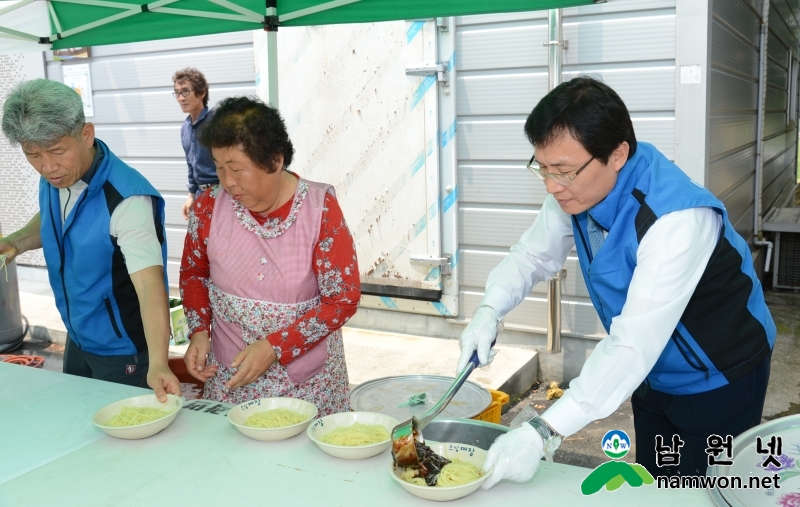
(101, 226)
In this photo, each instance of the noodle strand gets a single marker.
(357, 435)
(131, 416)
(275, 418)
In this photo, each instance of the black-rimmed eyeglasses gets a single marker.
(182, 93)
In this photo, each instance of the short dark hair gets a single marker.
(195, 78)
(253, 126)
(590, 111)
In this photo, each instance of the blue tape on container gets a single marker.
(450, 199)
(420, 92)
(389, 302)
(413, 30)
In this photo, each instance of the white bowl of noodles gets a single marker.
(271, 419)
(469, 460)
(353, 435)
(137, 417)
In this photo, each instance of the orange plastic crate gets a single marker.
(494, 410)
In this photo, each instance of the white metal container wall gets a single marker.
(734, 104)
(358, 122)
(780, 127)
(140, 120)
(734, 108)
(502, 74)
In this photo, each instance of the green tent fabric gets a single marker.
(97, 22)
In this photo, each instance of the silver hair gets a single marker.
(40, 112)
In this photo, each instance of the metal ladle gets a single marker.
(404, 451)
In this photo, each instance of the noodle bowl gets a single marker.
(457, 479)
(272, 419)
(352, 435)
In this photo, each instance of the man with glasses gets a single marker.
(689, 333)
(191, 92)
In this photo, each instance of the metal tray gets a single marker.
(746, 463)
(382, 395)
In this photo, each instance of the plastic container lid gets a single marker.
(382, 395)
(747, 463)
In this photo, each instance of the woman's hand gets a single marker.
(252, 362)
(195, 357)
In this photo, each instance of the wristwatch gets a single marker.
(551, 438)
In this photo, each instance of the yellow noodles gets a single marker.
(131, 416)
(410, 475)
(357, 435)
(458, 472)
(454, 473)
(275, 418)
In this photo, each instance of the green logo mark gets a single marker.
(613, 474)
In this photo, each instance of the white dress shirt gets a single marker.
(670, 261)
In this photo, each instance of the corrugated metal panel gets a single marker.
(578, 316)
(731, 132)
(776, 75)
(727, 171)
(780, 137)
(493, 227)
(156, 106)
(777, 24)
(738, 199)
(623, 40)
(730, 50)
(502, 66)
(650, 88)
(777, 50)
(776, 166)
(499, 183)
(734, 94)
(776, 145)
(476, 265)
(744, 225)
(774, 123)
(502, 46)
(777, 188)
(136, 115)
(499, 93)
(775, 100)
(739, 17)
(504, 139)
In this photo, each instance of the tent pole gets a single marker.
(272, 57)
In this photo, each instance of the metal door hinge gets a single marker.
(429, 69)
(564, 43)
(443, 262)
(442, 24)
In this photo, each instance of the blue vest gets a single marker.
(726, 329)
(93, 290)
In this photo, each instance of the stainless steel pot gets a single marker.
(464, 431)
(11, 330)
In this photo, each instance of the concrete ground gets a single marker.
(372, 354)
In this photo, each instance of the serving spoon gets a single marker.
(404, 450)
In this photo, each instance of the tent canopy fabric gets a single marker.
(75, 23)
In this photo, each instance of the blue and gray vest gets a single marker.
(93, 290)
(726, 329)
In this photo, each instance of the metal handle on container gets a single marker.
(554, 312)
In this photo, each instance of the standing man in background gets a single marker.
(191, 91)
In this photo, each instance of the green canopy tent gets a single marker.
(37, 25)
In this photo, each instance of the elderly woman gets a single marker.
(269, 272)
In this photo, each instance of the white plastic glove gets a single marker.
(479, 335)
(515, 456)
